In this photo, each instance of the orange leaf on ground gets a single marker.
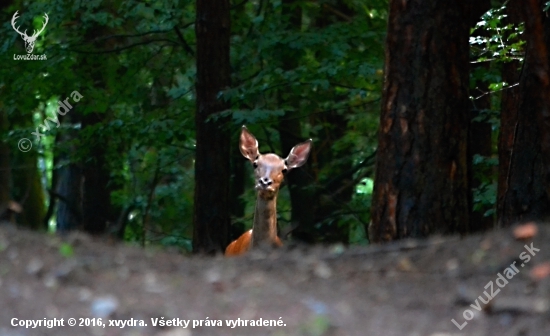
(525, 231)
(540, 271)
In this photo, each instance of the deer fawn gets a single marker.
(269, 171)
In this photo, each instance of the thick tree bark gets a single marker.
(212, 173)
(421, 181)
(527, 196)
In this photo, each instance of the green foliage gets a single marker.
(148, 129)
(484, 196)
(494, 42)
(307, 75)
(497, 40)
(133, 62)
(133, 68)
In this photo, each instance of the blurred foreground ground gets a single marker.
(409, 288)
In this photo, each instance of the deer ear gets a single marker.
(248, 145)
(298, 154)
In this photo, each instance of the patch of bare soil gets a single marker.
(407, 288)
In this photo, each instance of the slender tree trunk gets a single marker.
(5, 162)
(527, 196)
(96, 196)
(421, 182)
(26, 180)
(68, 204)
(97, 210)
(28, 190)
(67, 180)
(5, 168)
(480, 134)
(508, 115)
(212, 172)
(333, 194)
(290, 130)
(237, 190)
(239, 177)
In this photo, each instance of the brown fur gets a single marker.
(268, 175)
(243, 243)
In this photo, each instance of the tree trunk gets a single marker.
(290, 130)
(336, 191)
(237, 190)
(480, 142)
(5, 168)
(97, 210)
(421, 180)
(66, 178)
(69, 190)
(299, 184)
(239, 177)
(527, 196)
(508, 115)
(212, 172)
(96, 195)
(27, 188)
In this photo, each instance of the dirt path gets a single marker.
(415, 288)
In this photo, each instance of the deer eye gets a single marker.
(255, 164)
(284, 170)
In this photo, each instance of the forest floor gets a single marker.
(407, 288)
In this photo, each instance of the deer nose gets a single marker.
(266, 181)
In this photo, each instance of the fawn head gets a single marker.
(270, 169)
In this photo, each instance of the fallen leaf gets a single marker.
(525, 231)
(540, 271)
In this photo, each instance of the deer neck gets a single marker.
(264, 229)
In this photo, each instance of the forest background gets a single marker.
(158, 91)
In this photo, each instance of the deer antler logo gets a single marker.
(29, 40)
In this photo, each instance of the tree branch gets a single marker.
(184, 42)
(122, 48)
